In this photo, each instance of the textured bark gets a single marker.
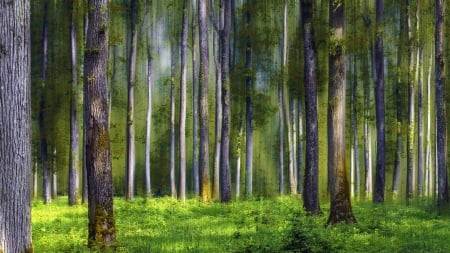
(184, 38)
(98, 157)
(195, 155)
(379, 108)
(15, 127)
(340, 208)
(224, 42)
(74, 163)
(428, 160)
(130, 160)
(311, 185)
(148, 187)
(280, 141)
(46, 191)
(441, 126)
(173, 62)
(205, 184)
(411, 107)
(248, 109)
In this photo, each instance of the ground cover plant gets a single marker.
(256, 225)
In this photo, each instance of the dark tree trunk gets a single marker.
(205, 185)
(379, 104)
(98, 157)
(340, 208)
(311, 185)
(420, 137)
(224, 42)
(194, 106)
(441, 126)
(411, 106)
(74, 141)
(15, 127)
(184, 38)
(248, 109)
(130, 162)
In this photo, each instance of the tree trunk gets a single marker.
(54, 177)
(205, 185)
(441, 127)
(15, 127)
(184, 37)
(195, 154)
(248, 109)
(130, 162)
(294, 140)
(35, 181)
(148, 188)
(367, 132)
(238, 161)
(311, 185)
(74, 135)
(300, 148)
(411, 106)
(224, 42)
(428, 158)
(340, 208)
(379, 104)
(98, 156)
(355, 129)
(173, 185)
(280, 141)
(420, 162)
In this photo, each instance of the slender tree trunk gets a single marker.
(184, 38)
(84, 185)
(411, 106)
(420, 167)
(355, 128)
(205, 185)
(42, 111)
(98, 156)
(224, 42)
(15, 127)
(300, 148)
(280, 141)
(248, 109)
(173, 184)
(379, 104)
(294, 139)
(428, 158)
(311, 186)
(54, 176)
(74, 139)
(441, 126)
(238, 161)
(195, 150)
(340, 208)
(35, 180)
(130, 162)
(367, 132)
(148, 187)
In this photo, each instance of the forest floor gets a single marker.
(257, 225)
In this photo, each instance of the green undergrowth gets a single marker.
(257, 225)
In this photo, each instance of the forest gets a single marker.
(224, 126)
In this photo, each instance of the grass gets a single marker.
(257, 225)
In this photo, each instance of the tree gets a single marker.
(98, 156)
(224, 42)
(378, 196)
(195, 150)
(15, 127)
(311, 185)
(248, 107)
(411, 107)
(205, 184)
(184, 35)
(74, 141)
(148, 188)
(441, 127)
(130, 161)
(340, 209)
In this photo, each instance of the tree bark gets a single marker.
(311, 186)
(440, 108)
(15, 127)
(355, 128)
(74, 163)
(340, 208)
(148, 187)
(205, 185)
(379, 104)
(224, 42)
(280, 141)
(54, 176)
(300, 148)
(184, 38)
(195, 151)
(98, 156)
(173, 62)
(238, 161)
(420, 137)
(130, 162)
(248, 108)
(411, 107)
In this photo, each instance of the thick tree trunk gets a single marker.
(42, 112)
(224, 42)
(98, 156)
(184, 37)
(340, 208)
(74, 163)
(195, 154)
(148, 187)
(280, 141)
(411, 107)
(130, 162)
(15, 127)
(311, 185)
(248, 110)
(205, 185)
(380, 111)
(441, 126)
